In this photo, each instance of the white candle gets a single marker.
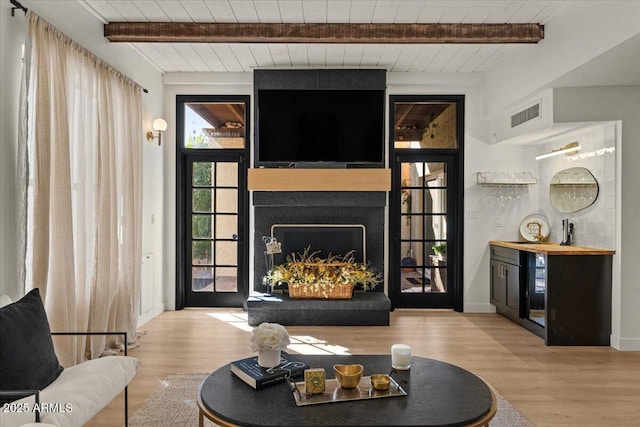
(401, 356)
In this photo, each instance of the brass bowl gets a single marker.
(380, 381)
(348, 376)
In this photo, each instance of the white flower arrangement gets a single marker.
(269, 336)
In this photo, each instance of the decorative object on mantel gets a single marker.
(309, 276)
(269, 339)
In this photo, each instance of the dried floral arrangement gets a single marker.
(322, 275)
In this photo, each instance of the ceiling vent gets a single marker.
(525, 115)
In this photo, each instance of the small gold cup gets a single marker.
(380, 381)
(348, 376)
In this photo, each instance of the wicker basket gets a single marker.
(339, 291)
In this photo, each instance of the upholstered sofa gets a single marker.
(75, 394)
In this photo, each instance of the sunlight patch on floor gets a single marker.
(239, 320)
(305, 344)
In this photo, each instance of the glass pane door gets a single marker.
(212, 142)
(423, 239)
(214, 249)
(427, 198)
(423, 222)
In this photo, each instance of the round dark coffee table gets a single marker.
(438, 394)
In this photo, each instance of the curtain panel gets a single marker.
(84, 209)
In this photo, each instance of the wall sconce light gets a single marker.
(568, 149)
(159, 125)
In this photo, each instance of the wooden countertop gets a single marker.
(552, 248)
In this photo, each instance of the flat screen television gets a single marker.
(320, 127)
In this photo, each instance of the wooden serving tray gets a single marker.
(334, 393)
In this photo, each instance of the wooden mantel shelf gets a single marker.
(267, 179)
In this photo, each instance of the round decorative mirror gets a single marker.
(573, 189)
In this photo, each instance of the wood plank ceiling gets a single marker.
(398, 57)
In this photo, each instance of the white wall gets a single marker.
(11, 40)
(488, 218)
(87, 30)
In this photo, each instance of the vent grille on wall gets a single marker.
(525, 115)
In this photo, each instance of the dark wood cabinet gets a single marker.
(498, 285)
(506, 275)
(560, 293)
(578, 300)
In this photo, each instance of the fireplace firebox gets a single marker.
(325, 239)
(335, 222)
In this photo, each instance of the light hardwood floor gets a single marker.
(559, 386)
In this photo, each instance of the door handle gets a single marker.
(502, 271)
(234, 236)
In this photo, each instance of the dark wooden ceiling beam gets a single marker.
(199, 32)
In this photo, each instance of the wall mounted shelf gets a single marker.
(505, 178)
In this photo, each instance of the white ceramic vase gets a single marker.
(268, 358)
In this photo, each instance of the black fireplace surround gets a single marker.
(340, 208)
(366, 208)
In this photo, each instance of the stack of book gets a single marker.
(258, 377)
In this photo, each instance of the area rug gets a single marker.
(174, 403)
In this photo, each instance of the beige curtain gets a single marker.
(83, 239)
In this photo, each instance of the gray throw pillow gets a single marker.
(27, 358)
